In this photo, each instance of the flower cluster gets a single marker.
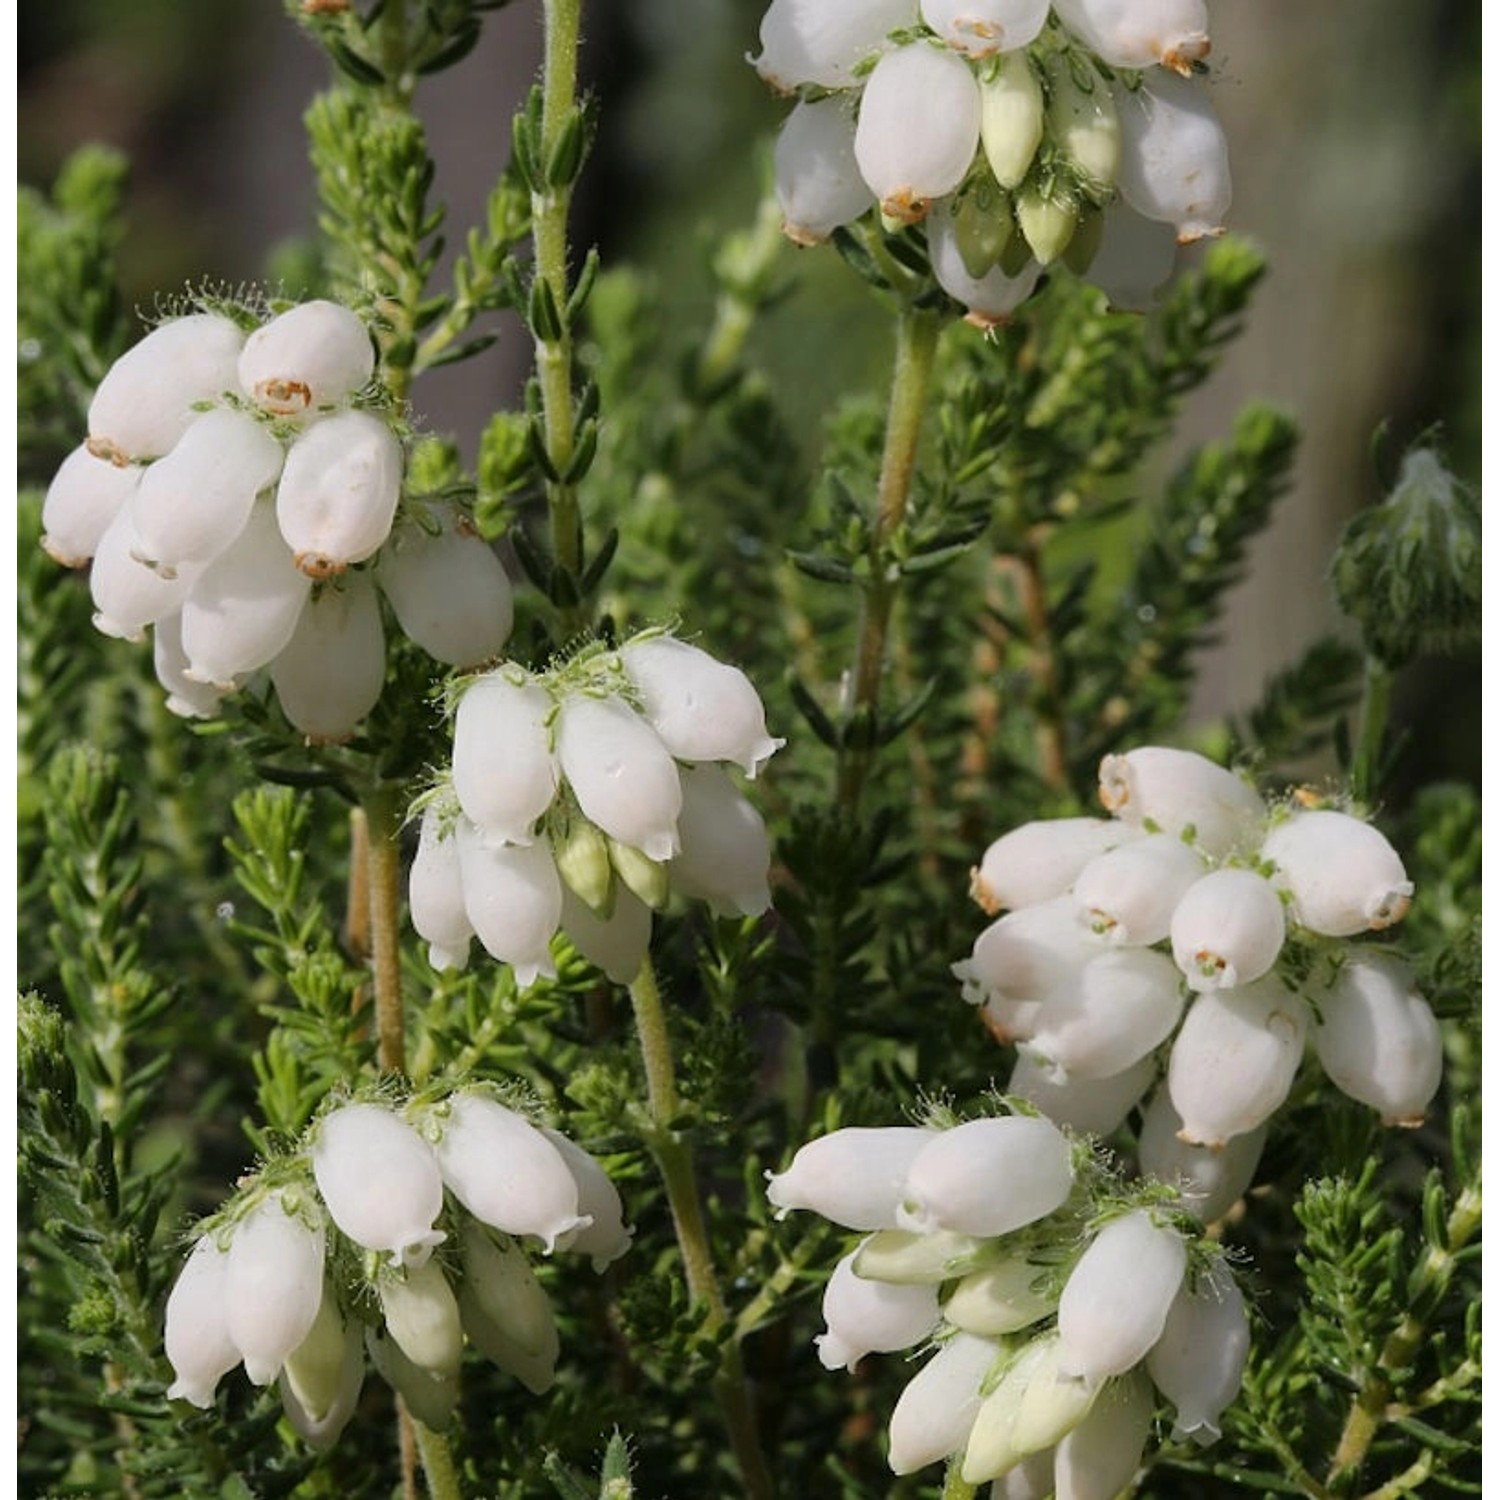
(330, 1254)
(1047, 1305)
(229, 491)
(1198, 889)
(581, 797)
(1021, 141)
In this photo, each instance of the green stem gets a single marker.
(383, 824)
(437, 1463)
(674, 1159)
(549, 214)
(955, 1486)
(1374, 710)
(916, 345)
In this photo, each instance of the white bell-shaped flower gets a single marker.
(1099, 1457)
(421, 1315)
(1199, 1360)
(1084, 125)
(504, 772)
(148, 397)
(436, 895)
(1125, 1006)
(936, 1410)
(1000, 1298)
(194, 502)
(1117, 1297)
(273, 1283)
(198, 1342)
(129, 596)
(501, 1283)
(1210, 1180)
(1378, 1039)
(1130, 893)
(1040, 860)
(1182, 793)
(1227, 929)
(981, 28)
(430, 1398)
(1140, 33)
(185, 698)
(822, 42)
(380, 1181)
(323, 1376)
(1234, 1060)
(85, 495)
(1012, 118)
(1033, 1406)
(330, 674)
(451, 594)
(871, 1317)
(854, 1176)
(1342, 874)
(624, 778)
(988, 1177)
(607, 1237)
(1028, 953)
(918, 128)
(513, 898)
(726, 851)
(1174, 159)
(338, 492)
(817, 178)
(700, 708)
(990, 299)
(244, 607)
(616, 943)
(504, 1170)
(313, 355)
(1136, 255)
(1086, 1106)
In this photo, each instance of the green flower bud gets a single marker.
(982, 224)
(583, 861)
(1012, 114)
(1407, 571)
(1047, 222)
(641, 874)
(1085, 126)
(999, 1299)
(908, 1258)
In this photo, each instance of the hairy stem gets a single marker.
(437, 1463)
(916, 344)
(1374, 710)
(382, 824)
(955, 1486)
(549, 214)
(1052, 759)
(674, 1158)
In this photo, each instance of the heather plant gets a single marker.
(1165, 1182)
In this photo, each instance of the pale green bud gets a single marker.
(1046, 222)
(1085, 126)
(999, 1299)
(904, 1256)
(644, 876)
(1012, 115)
(315, 1368)
(583, 861)
(982, 224)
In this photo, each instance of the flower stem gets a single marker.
(674, 1158)
(916, 345)
(955, 1486)
(382, 824)
(437, 1463)
(554, 354)
(1374, 710)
